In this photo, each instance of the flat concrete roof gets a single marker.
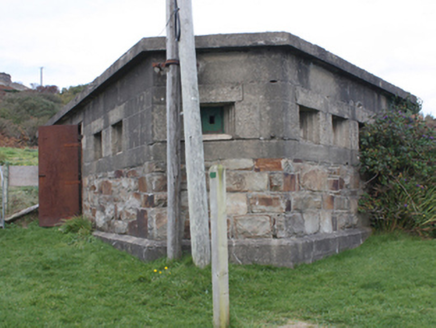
(236, 41)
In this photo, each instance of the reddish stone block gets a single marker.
(93, 211)
(119, 174)
(333, 184)
(132, 228)
(142, 184)
(147, 200)
(106, 188)
(116, 212)
(132, 174)
(139, 227)
(288, 205)
(328, 202)
(268, 164)
(137, 196)
(290, 182)
(267, 203)
(187, 230)
(341, 183)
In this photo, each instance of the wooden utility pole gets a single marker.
(220, 257)
(194, 153)
(175, 222)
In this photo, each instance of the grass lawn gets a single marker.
(48, 279)
(19, 156)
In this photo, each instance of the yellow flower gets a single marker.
(160, 272)
(155, 270)
(166, 268)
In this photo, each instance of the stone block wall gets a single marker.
(128, 201)
(266, 198)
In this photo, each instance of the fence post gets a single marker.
(2, 216)
(6, 188)
(220, 267)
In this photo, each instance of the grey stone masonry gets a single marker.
(267, 198)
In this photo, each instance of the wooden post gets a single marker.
(6, 192)
(2, 215)
(175, 222)
(220, 266)
(194, 153)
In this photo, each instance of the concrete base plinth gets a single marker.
(277, 252)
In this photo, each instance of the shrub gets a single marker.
(78, 224)
(398, 158)
(78, 230)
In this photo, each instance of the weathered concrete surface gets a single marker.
(277, 252)
(228, 42)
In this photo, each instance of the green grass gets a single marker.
(48, 279)
(20, 198)
(19, 156)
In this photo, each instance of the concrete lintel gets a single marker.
(277, 252)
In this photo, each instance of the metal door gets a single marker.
(59, 173)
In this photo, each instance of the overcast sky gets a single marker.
(76, 40)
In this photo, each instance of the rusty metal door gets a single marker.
(59, 173)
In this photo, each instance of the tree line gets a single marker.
(22, 112)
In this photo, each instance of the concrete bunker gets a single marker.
(282, 115)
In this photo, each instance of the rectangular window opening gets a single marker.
(309, 124)
(341, 136)
(217, 119)
(117, 137)
(98, 147)
(212, 120)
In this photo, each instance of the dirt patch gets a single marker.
(299, 324)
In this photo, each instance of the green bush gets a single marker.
(78, 224)
(398, 159)
(78, 230)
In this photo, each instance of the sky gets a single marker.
(75, 41)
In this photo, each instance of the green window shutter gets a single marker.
(212, 119)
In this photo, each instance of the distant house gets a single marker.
(282, 115)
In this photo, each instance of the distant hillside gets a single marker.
(7, 86)
(23, 110)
